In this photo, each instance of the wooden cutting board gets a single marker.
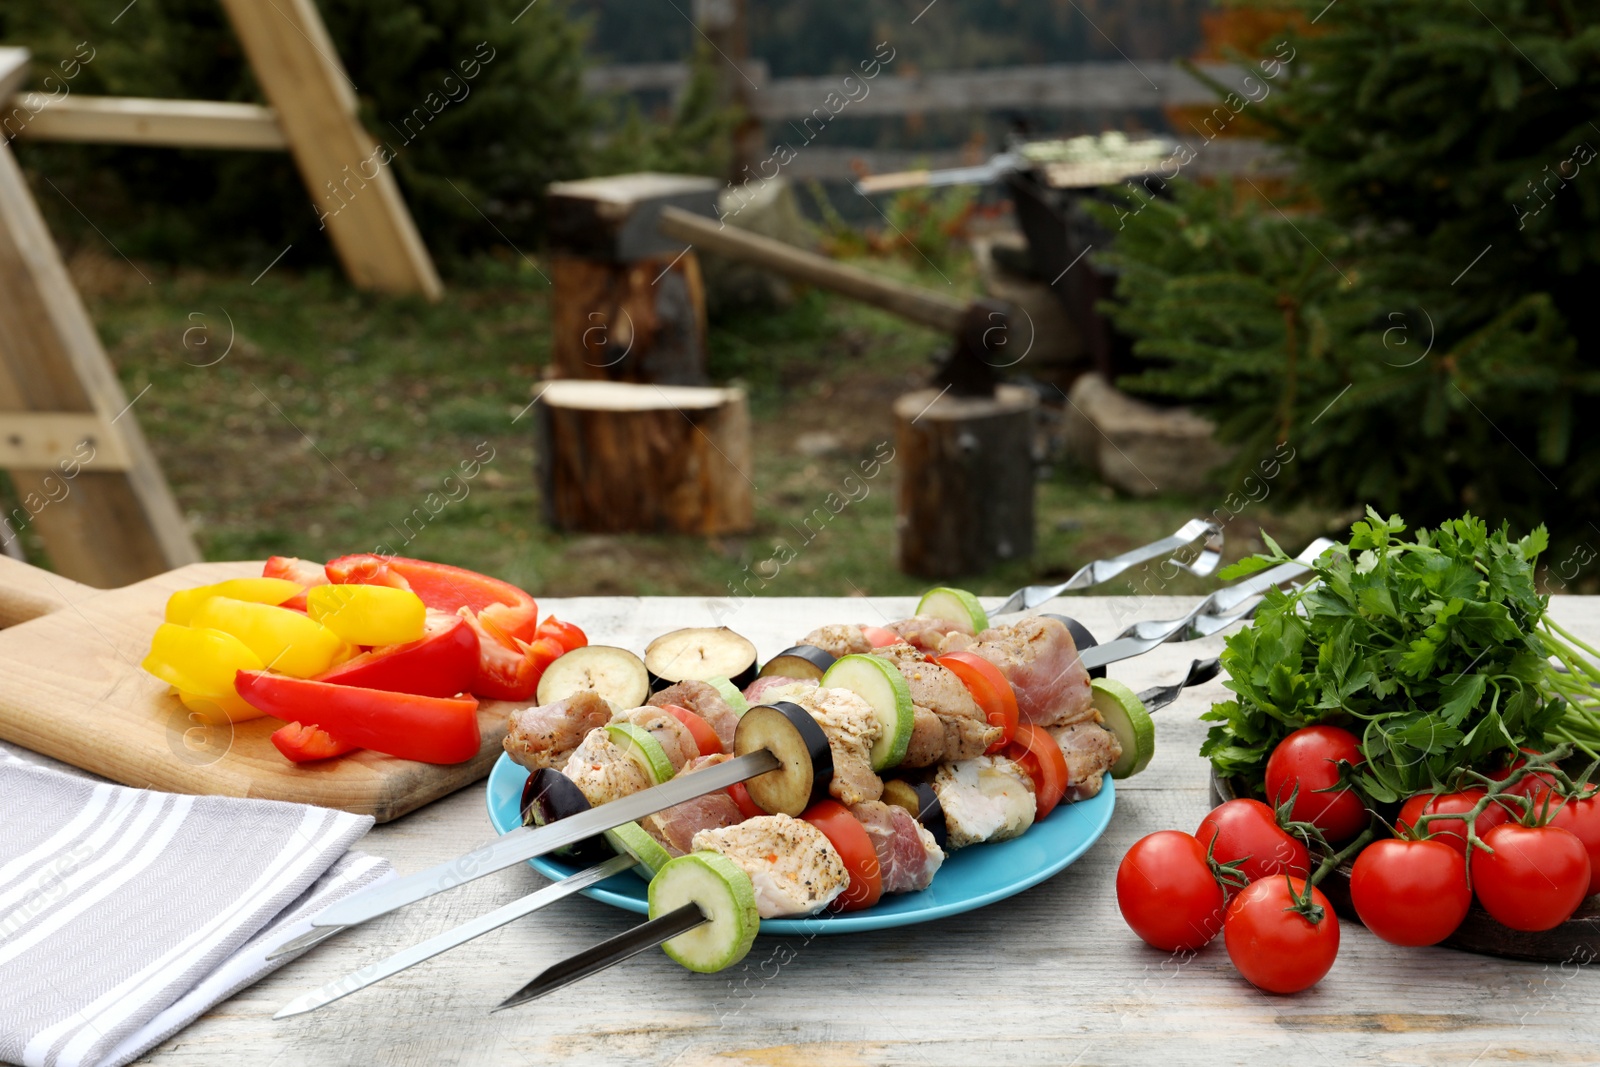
(71, 688)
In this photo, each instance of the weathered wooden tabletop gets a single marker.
(1051, 976)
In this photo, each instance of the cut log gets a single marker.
(617, 457)
(642, 320)
(615, 217)
(965, 480)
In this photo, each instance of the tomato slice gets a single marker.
(849, 838)
(705, 738)
(1036, 752)
(990, 689)
(879, 637)
(567, 634)
(427, 729)
(303, 744)
(741, 797)
(442, 664)
(445, 588)
(302, 571)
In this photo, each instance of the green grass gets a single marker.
(335, 415)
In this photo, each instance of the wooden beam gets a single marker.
(136, 120)
(104, 528)
(13, 70)
(37, 441)
(913, 302)
(1056, 86)
(352, 189)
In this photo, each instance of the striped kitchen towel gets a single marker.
(125, 914)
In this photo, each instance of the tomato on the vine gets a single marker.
(1580, 816)
(1410, 892)
(1452, 832)
(1534, 879)
(1247, 830)
(1167, 892)
(1309, 759)
(1275, 947)
(1533, 785)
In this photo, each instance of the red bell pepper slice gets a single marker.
(428, 729)
(444, 588)
(508, 670)
(305, 744)
(298, 570)
(443, 663)
(567, 634)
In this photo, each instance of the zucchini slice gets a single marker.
(724, 895)
(643, 749)
(1126, 717)
(700, 653)
(615, 674)
(631, 839)
(730, 694)
(800, 661)
(806, 762)
(880, 683)
(956, 605)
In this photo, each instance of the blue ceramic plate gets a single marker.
(968, 879)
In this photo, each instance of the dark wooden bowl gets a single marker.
(1575, 941)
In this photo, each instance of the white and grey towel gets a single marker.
(125, 914)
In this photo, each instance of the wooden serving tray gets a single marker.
(71, 688)
(1576, 941)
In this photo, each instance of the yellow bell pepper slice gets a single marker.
(201, 664)
(182, 604)
(368, 614)
(286, 641)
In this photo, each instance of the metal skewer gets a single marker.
(460, 935)
(1103, 570)
(608, 953)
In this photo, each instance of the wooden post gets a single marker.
(617, 457)
(86, 478)
(725, 27)
(628, 302)
(346, 172)
(965, 480)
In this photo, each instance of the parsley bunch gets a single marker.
(1430, 650)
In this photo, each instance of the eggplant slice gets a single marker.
(790, 733)
(801, 661)
(699, 654)
(548, 796)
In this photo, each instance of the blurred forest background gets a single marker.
(1413, 132)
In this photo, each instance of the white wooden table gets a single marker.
(1051, 976)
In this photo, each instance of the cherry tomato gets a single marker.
(1452, 832)
(990, 691)
(1535, 878)
(1532, 786)
(1410, 892)
(1309, 758)
(1248, 830)
(854, 845)
(1037, 753)
(1581, 818)
(1167, 892)
(1276, 949)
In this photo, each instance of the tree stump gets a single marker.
(618, 457)
(628, 302)
(965, 480)
(641, 320)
